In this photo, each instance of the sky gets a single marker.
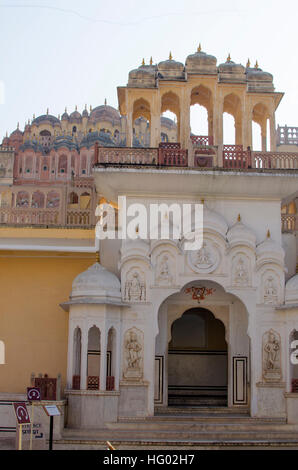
(66, 53)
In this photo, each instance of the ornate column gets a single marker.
(70, 356)
(118, 358)
(103, 358)
(184, 119)
(84, 357)
(264, 135)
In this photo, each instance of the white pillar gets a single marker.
(84, 357)
(272, 133)
(103, 358)
(70, 356)
(118, 358)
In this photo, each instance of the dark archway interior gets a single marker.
(197, 360)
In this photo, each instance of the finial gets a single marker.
(202, 201)
(170, 56)
(76, 108)
(59, 117)
(97, 257)
(143, 61)
(18, 125)
(151, 61)
(199, 48)
(229, 58)
(105, 101)
(256, 65)
(86, 107)
(239, 218)
(47, 110)
(90, 108)
(65, 109)
(33, 116)
(268, 233)
(248, 64)
(6, 134)
(137, 229)
(297, 268)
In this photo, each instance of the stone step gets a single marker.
(201, 426)
(186, 435)
(198, 410)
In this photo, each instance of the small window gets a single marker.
(74, 129)
(62, 170)
(83, 172)
(45, 168)
(53, 171)
(27, 171)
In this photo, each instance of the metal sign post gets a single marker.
(33, 395)
(51, 411)
(23, 417)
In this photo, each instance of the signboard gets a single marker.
(51, 410)
(33, 394)
(21, 412)
(38, 439)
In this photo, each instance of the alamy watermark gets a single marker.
(154, 221)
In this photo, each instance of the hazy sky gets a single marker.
(57, 53)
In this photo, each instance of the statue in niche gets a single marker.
(133, 356)
(164, 276)
(241, 274)
(270, 291)
(271, 357)
(134, 288)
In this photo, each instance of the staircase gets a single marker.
(185, 428)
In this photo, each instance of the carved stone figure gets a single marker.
(241, 273)
(271, 357)
(135, 289)
(270, 291)
(133, 366)
(164, 275)
(206, 259)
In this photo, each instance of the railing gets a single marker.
(93, 382)
(202, 140)
(78, 218)
(234, 157)
(127, 155)
(288, 223)
(48, 387)
(29, 216)
(275, 160)
(172, 157)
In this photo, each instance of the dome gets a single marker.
(75, 116)
(258, 80)
(240, 234)
(85, 113)
(270, 250)
(16, 134)
(291, 294)
(46, 118)
(104, 113)
(200, 62)
(102, 138)
(231, 72)
(143, 76)
(167, 122)
(214, 221)
(170, 69)
(65, 116)
(96, 282)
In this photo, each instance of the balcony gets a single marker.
(202, 154)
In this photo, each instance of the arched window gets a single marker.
(53, 200)
(38, 200)
(62, 164)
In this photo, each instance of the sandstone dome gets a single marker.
(96, 282)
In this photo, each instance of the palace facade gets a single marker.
(127, 328)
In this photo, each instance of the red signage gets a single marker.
(21, 412)
(33, 394)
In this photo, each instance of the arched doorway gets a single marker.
(197, 360)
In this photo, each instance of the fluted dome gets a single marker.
(143, 76)
(240, 234)
(96, 282)
(200, 62)
(291, 293)
(65, 116)
(170, 69)
(231, 72)
(258, 80)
